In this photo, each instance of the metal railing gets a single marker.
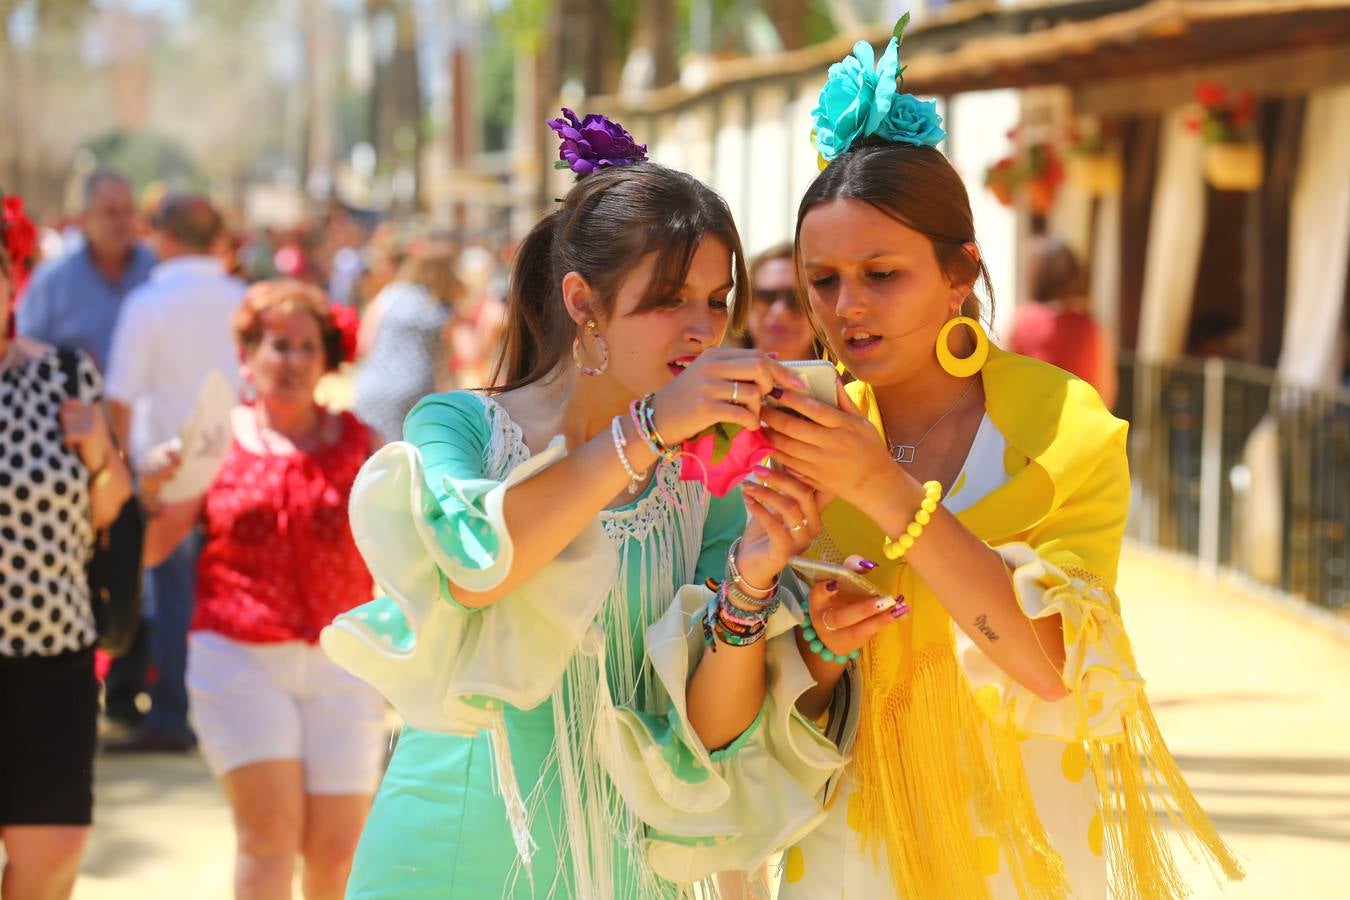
(1243, 471)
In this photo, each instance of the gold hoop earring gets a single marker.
(962, 367)
(594, 331)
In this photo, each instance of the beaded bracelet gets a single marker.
(896, 549)
(816, 645)
(728, 611)
(620, 449)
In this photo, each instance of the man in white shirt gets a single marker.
(172, 332)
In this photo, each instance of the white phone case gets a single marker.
(820, 376)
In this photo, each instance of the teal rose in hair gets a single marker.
(861, 99)
(856, 98)
(912, 121)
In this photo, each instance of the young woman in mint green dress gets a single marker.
(573, 729)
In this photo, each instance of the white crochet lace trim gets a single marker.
(662, 535)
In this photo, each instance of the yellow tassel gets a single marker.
(922, 765)
(1130, 773)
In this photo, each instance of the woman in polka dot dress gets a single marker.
(296, 742)
(1001, 743)
(60, 481)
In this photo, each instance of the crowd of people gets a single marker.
(239, 578)
(886, 653)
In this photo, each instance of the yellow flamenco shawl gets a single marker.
(934, 759)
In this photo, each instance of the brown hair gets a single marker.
(917, 187)
(782, 250)
(286, 295)
(191, 220)
(1053, 272)
(607, 222)
(432, 266)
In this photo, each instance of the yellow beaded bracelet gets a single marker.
(896, 549)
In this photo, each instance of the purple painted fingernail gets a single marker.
(831, 585)
(776, 393)
(866, 565)
(901, 609)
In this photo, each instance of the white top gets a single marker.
(172, 331)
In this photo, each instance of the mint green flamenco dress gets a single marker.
(547, 752)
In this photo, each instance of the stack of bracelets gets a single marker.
(645, 422)
(734, 616)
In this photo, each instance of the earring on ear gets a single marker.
(248, 391)
(962, 367)
(594, 331)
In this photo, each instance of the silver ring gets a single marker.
(825, 620)
(736, 392)
(798, 527)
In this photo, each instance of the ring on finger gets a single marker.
(798, 527)
(736, 392)
(825, 620)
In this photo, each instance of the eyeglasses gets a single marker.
(767, 299)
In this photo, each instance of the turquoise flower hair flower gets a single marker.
(912, 121)
(861, 98)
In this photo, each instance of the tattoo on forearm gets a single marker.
(982, 623)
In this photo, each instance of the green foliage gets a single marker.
(147, 158)
(496, 83)
(524, 23)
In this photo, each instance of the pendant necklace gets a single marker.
(905, 453)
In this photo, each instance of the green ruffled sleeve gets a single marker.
(426, 514)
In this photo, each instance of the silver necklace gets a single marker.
(905, 453)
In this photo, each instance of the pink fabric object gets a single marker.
(700, 461)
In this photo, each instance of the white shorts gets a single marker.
(255, 702)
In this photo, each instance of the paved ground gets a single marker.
(1252, 700)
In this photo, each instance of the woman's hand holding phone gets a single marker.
(846, 616)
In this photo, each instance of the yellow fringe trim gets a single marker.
(926, 757)
(923, 757)
(1139, 783)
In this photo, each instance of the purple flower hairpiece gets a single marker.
(593, 143)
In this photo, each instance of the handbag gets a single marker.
(114, 567)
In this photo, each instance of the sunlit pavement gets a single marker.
(1253, 702)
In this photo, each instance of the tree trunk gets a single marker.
(789, 18)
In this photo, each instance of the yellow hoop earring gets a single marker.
(950, 362)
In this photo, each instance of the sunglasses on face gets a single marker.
(767, 299)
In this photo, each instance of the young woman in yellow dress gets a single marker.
(1001, 741)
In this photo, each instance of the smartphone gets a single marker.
(815, 570)
(820, 376)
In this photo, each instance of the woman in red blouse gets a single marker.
(296, 742)
(1057, 327)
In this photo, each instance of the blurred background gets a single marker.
(1186, 157)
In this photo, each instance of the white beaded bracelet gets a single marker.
(620, 445)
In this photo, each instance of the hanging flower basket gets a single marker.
(1002, 179)
(1097, 174)
(1093, 162)
(1235, 166)
(1226, 122)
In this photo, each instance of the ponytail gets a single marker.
(538, 329)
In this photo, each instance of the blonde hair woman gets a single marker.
(402, 339)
